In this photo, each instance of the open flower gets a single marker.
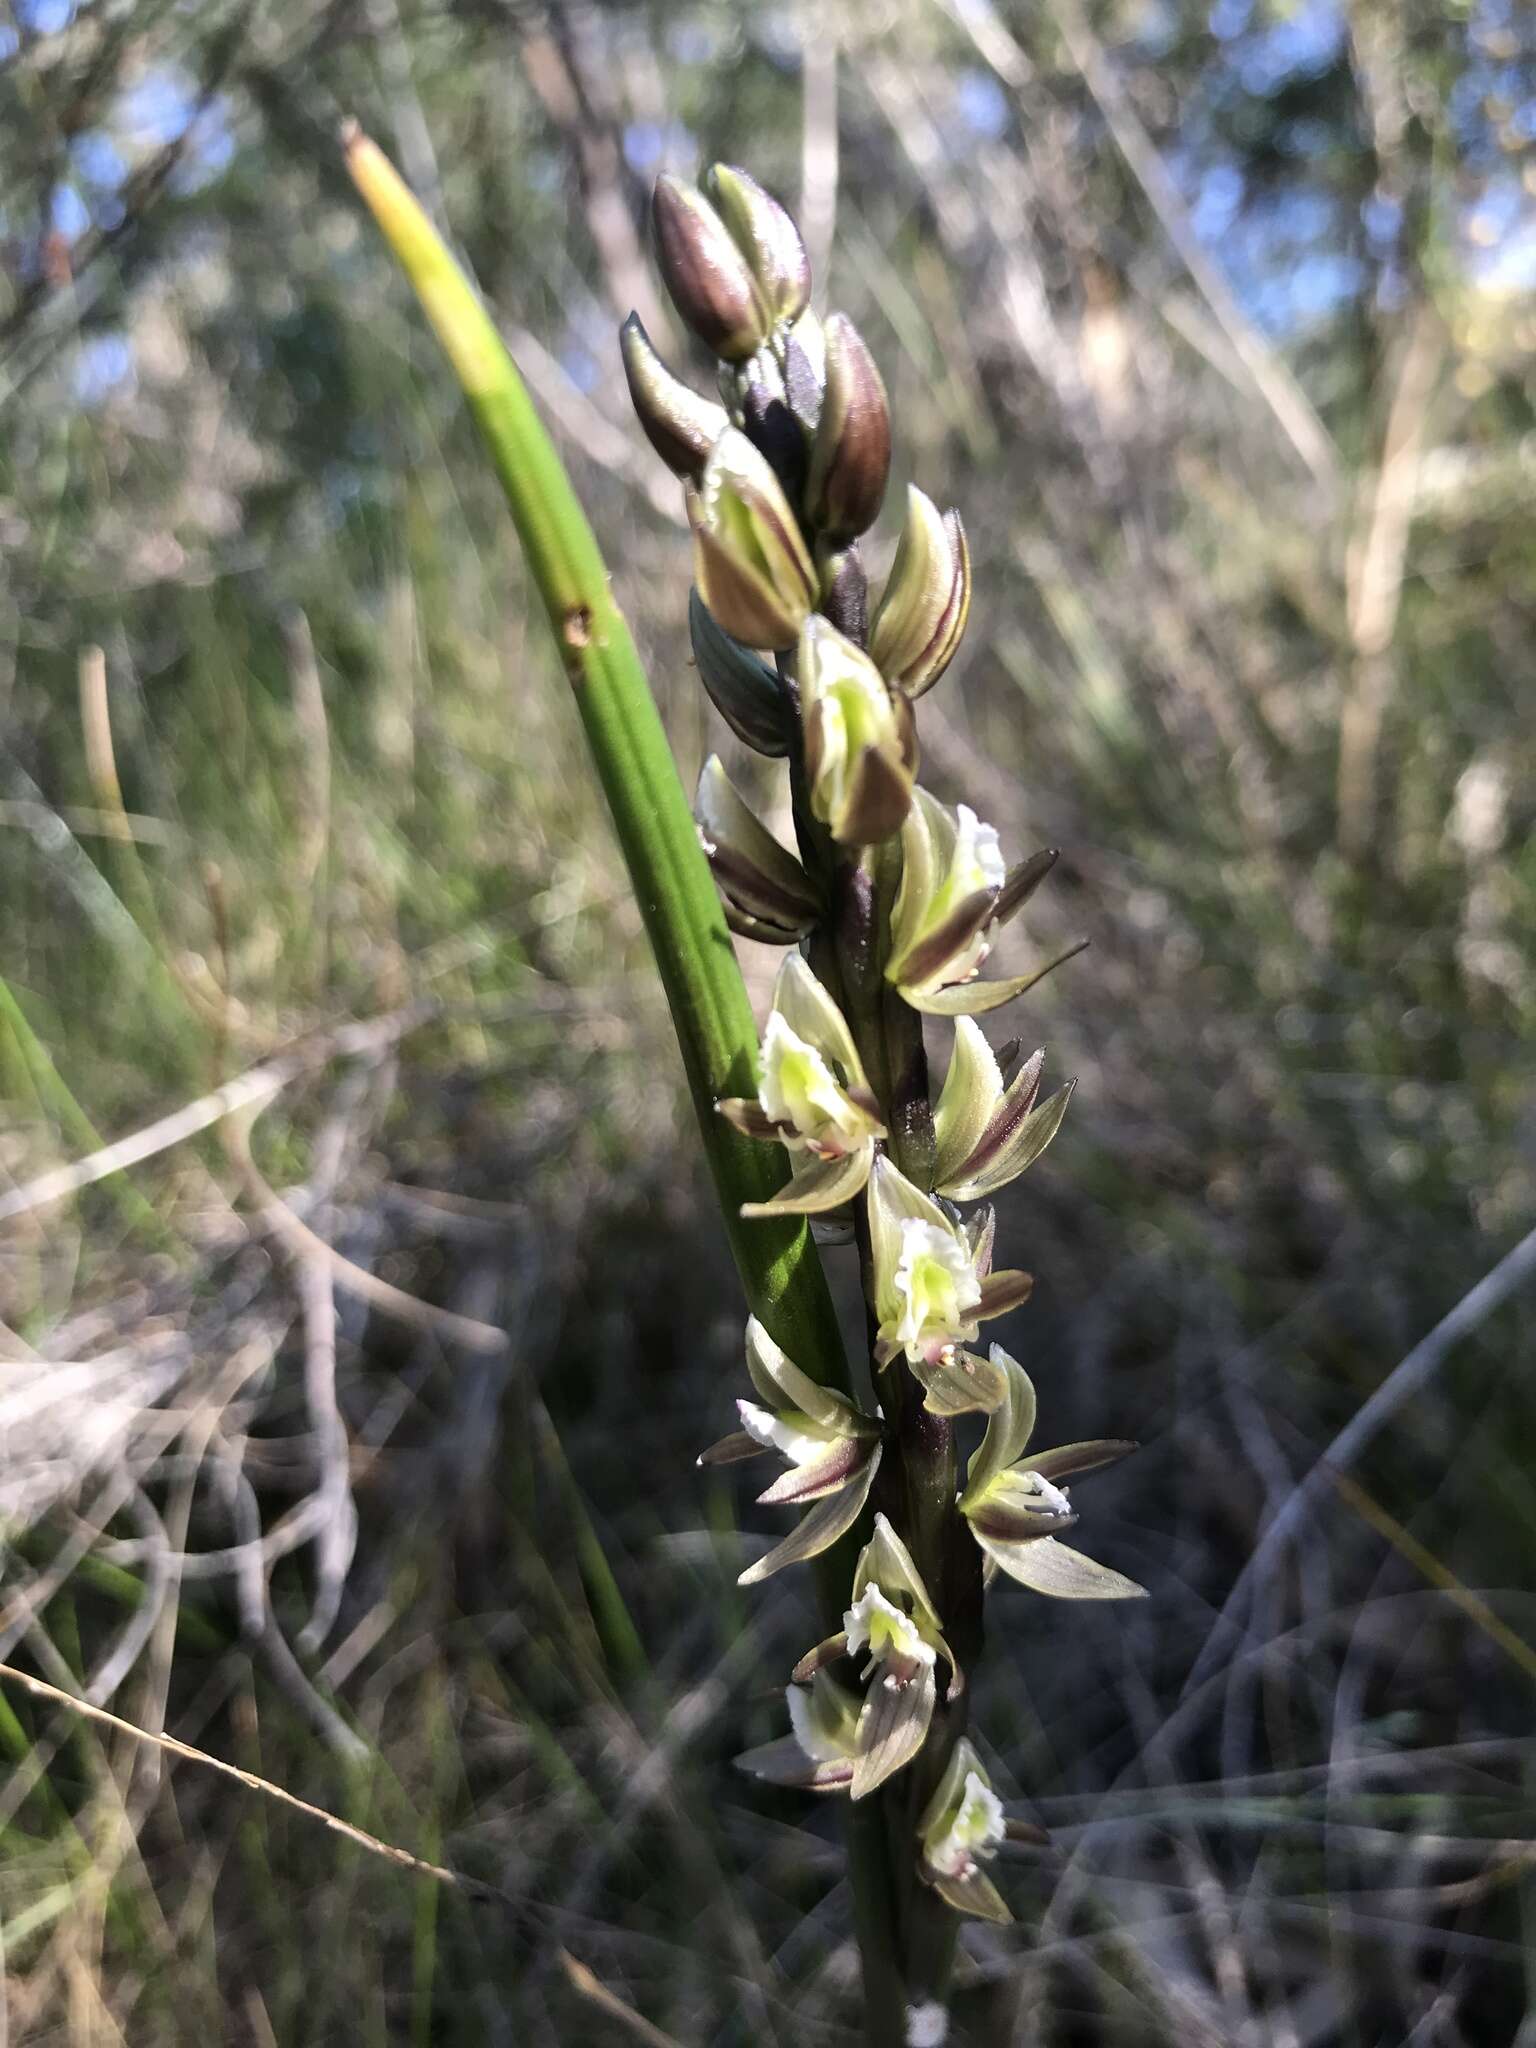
(955, 892)
(819, 1756)
(892, 1623)
(934, 1284)
(860, 739)
(813, 1099)
(831, 1447)
(962, 1827)
(987, 1132)
(1015, 1507)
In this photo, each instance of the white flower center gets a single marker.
(1052, 1499)
(888, 1632)
(779, 1433)
(975, 1831)
(935, 1284)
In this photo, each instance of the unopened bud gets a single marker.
(710, 280)
(766, 236)
(742, 687)
(927, 597)
(851, 454)
(751, 563)
(768, 895)
(679, 424)
(860, 742)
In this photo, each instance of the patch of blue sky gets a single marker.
(1510, 266)
(1230, 18)
(1303, 41)
(97, 160)
(650, 145)
(69, 213)
(1217, 202)
(982, 104)
(210, 148)
(45, 17)
(104, 367)
(158, 107)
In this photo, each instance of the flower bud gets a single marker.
(710, 280)
(766, 236)
(742, 687)
(805, 369)
(767, 894)
(751, 563)
(851, 454)
(927, 597)
(860, 742)
(680, 425)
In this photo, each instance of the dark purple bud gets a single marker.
(766, 236)
(710, 280)
(680, 425)
(851, 454)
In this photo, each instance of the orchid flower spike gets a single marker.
(831, 1447)
(1014, 1507)
(813, 1099)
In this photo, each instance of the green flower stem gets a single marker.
(779, 1267)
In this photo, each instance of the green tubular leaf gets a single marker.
(780, 1270)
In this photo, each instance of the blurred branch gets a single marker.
(817, 216)
(557, 62)
(1374, 580)
(1409, 1377)
(1271, 379)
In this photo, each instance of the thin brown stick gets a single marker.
(170, 1746)
(586, 1985)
